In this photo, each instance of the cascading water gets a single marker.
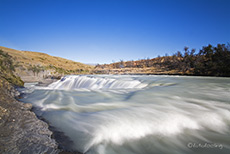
(90, 82)
(138, 114)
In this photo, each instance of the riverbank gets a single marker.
(20, 130)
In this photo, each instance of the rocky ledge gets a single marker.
(20, 130)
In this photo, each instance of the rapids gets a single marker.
(112, 114)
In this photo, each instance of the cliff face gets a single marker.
(36, 67)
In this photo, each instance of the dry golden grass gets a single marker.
(26, 58)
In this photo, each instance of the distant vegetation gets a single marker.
(210, 60)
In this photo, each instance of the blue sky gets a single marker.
(103, 31)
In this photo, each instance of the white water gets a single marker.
(91, 82)
(139, 114)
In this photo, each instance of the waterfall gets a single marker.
(72, 82)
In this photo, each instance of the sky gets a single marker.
(106, 31)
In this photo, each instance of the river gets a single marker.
(131, 114)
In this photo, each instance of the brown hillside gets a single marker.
(26, 58)
(36, 66)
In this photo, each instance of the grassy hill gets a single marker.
(7, 71)
(38, 64)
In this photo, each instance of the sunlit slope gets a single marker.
(36, 61)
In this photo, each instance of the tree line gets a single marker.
(209, 61)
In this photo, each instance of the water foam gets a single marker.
(89, 82)
(123, 125)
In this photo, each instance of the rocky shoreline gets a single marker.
(20, 130)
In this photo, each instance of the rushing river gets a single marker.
(130, 114)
